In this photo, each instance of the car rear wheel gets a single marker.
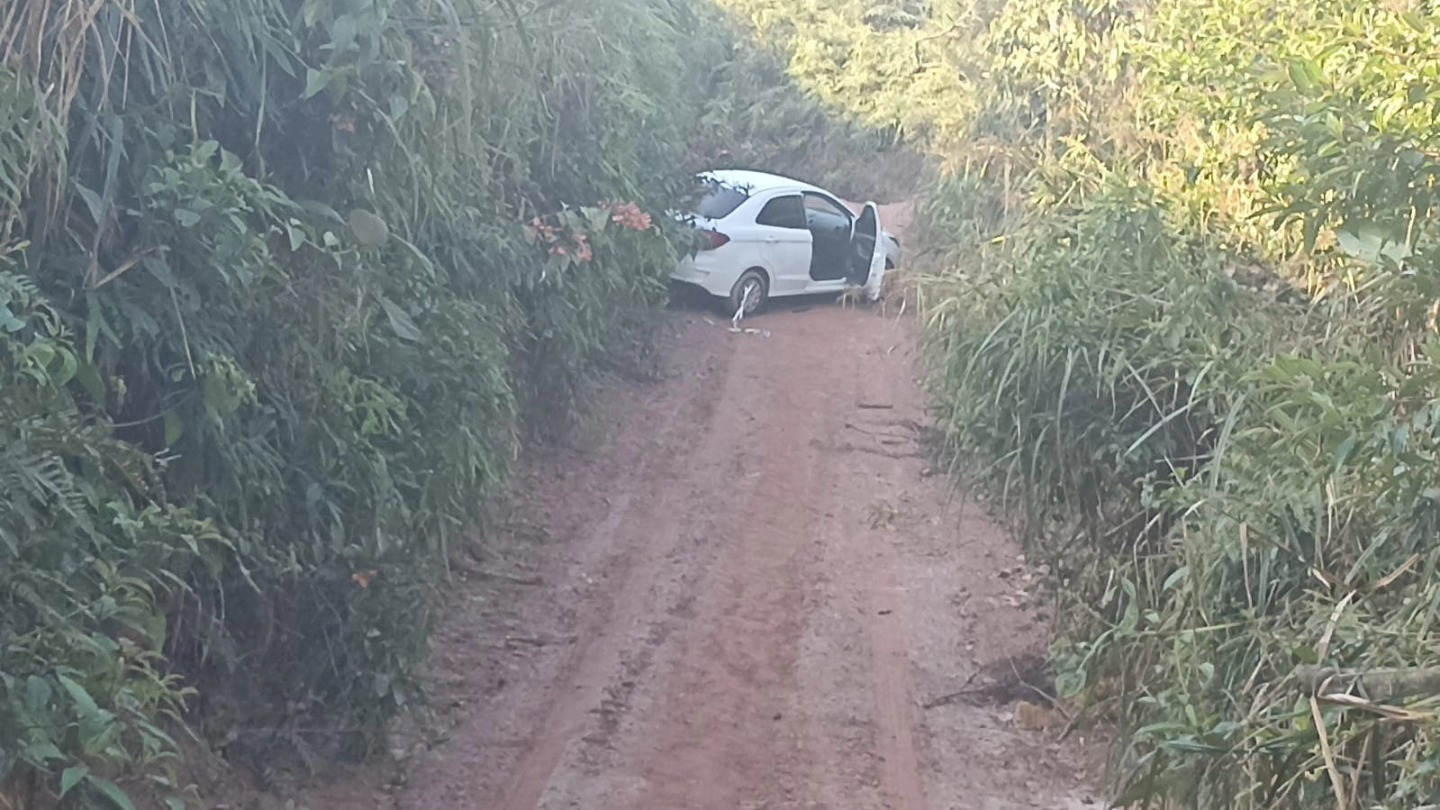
(751, 290)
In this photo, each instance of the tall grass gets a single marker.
(1182, 319)
(1194, 345)
(283, 285)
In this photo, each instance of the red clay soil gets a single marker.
(748, 590)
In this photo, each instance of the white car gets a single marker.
(763, 236)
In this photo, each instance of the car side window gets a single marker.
(783, 212)
(720, 201)
(816, 202)
(822, 211)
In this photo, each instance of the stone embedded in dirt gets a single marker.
(1036, 718)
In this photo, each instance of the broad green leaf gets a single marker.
(343, 30)
(77, 693)
(315, 82)
(41, 354)
(90, 380)
(400, 320)
(38, 693)
(92, 202)
(1070, 683)
(8, 321)
(42, 753)
(71, 777)
(1371, 244)
(369, 229)
(69, 365)
(111, 793)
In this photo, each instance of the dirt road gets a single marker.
(748, 590)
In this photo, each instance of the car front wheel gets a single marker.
(751, 291)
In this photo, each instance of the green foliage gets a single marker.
(1230, 476)
(282, 284)
(1185, 314)
(846, 130)
(1087, 372)
(90, 567)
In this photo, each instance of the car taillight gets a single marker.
(711, 240)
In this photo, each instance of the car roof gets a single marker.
(760, 181)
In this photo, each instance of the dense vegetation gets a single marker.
(283, 284)
(1185, 306)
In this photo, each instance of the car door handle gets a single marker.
(772, 239)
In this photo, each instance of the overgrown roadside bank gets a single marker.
(283, 285)
(1182, 317)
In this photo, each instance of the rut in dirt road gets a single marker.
(751, 590)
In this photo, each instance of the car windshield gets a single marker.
(718, 200)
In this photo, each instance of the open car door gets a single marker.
(867, 257)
